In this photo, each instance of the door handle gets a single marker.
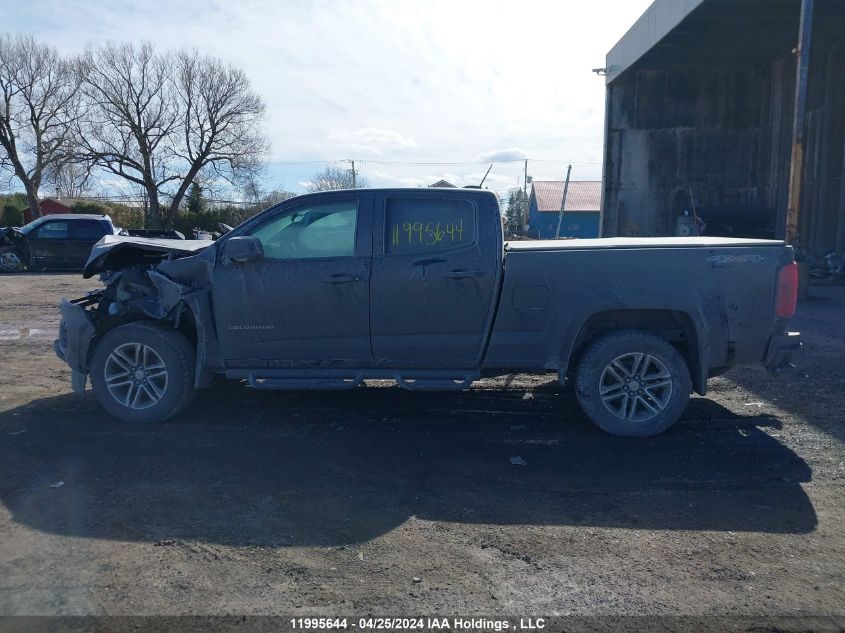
(341, 278)
(464, 274)
(430, 260)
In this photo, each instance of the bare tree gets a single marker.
(275, 197)
(38, 103)
(131, 116)
(69, 178)
(333, 177)
(163, 120)
(220, 116)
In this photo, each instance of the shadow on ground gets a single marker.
(242, 467)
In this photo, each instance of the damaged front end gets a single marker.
(159, 280)
(76, 329)
(10, 236)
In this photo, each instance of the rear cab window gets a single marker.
(423, 225)
(87, 230)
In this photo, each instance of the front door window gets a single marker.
(54, 230)
(311, 231)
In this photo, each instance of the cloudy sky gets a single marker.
(382, 82)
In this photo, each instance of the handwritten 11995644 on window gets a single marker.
(429, 234)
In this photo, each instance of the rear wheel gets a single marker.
(10, 260)
(143, 372)
(632, 383)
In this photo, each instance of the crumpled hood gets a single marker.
(114, 252)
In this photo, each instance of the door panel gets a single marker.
(434, 279)
(306, 302)
(83, 234)
(48, 244)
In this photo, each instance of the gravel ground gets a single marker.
(383, 501)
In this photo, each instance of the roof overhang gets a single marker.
(698, 33)
(652, 26)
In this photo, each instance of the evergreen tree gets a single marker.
(195, 199)
(517, 212)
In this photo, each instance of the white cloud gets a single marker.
(415, 182)
(512, 153)
(385, 80)
(371, 140)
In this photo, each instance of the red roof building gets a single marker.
(580, 217)
(51, 206)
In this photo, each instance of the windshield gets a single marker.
(26, 228)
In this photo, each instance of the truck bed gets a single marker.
(638, 242)
(720, 292)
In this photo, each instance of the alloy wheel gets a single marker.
(636, 387)
(10, 261)
(136, 375)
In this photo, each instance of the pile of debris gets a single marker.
(824, 269)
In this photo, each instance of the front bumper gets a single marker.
(75, 333)
(781, 348)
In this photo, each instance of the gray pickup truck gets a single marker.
(324, 291)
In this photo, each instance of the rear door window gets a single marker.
(424, 225)
(87, 230)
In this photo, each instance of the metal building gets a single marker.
(580, 217)
(703, 96)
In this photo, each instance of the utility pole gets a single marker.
(563, 201)
(796, 167)
(353, 173)
(524, 220)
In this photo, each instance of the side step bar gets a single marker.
(433, 384)
(412, 380)
(305, 384)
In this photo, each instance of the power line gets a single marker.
(135, 197)
(140, 199)
(479, 162)
(432, 163)
(306, 162)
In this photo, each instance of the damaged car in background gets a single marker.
(327, 290)
(61, 241)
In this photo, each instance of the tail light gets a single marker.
(786, 296)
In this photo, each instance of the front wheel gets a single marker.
(10, 260)
(632, 383)
(143, 372)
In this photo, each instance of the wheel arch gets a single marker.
(183, 322)
(21, 255)
(187, 311)
(173, 360)
(677, 327)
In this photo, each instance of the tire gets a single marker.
(119, 360)
(10, 260)
(633, 384)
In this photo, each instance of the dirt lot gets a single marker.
(384, 501)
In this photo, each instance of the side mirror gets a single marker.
(242, 249)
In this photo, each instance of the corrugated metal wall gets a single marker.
(823, 205)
